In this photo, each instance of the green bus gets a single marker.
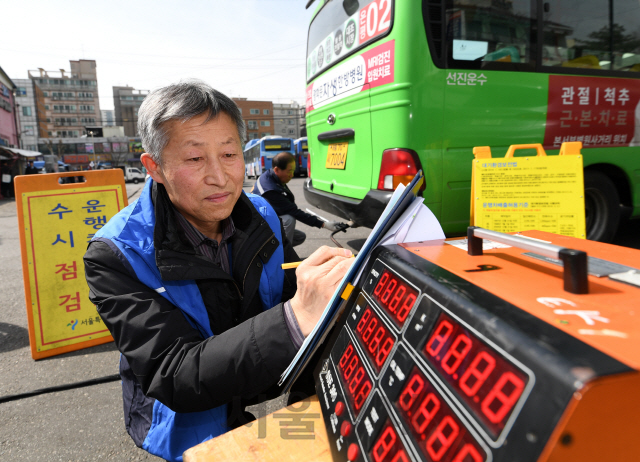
(394, 86)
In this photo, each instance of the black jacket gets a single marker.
(282, 199)
(168, 357)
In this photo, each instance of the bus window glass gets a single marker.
(577, 34)
(576, 37)
(626, 35)
(277, 145)
(480, 32)
(342, 27)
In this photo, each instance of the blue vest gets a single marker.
(268, 181)
(131, 230)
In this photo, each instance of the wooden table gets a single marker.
(295, 433)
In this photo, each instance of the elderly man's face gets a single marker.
(202, 169)
(287, 174)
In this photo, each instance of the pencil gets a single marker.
(295, 264)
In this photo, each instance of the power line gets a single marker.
(245, 59)
(176, 56)
(65, 115)
(110, 95)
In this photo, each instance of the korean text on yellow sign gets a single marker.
(544, 193)
(57, 226)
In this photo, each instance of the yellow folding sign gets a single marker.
(541, 192)
(56, 223)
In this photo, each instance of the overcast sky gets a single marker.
(248, 48)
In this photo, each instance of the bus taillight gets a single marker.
(262, 162)
(398, 166)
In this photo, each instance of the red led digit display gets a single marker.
(356, 381)
(375, 338)
(388, 447)
(395, 296)
(438, 432)
(479, 375)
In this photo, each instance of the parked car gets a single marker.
(44, 167)
(39, 164)
(132, 174)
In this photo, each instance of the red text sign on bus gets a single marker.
(375, 19)
(370, 69)
(599, 111)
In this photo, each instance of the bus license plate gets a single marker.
(337, 155)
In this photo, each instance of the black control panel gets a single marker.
(425, 366)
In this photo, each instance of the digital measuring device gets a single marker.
(444, 356)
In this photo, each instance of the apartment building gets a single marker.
(258, 117)
(67, 101)
(126, 103)
(27, 112)
(8, 129)
(108, 117)
(287, 119)
(302, 120)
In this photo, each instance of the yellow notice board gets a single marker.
(544, 193)
(56, 223)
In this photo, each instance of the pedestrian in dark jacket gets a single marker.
(189, 283)
(30, 169)
(6, 180)
(272, 185)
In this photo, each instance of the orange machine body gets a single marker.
(602, 420)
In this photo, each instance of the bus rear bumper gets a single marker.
(363, 212)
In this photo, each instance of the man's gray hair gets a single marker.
(181, 101)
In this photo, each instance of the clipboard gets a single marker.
(316, 338)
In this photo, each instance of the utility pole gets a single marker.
(16, 117)
(93, 147)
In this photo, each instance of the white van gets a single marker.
(132, 174)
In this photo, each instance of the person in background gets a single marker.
(272, 185)
(5, 180)
(31, 169)
(68, 179)
(188, 279)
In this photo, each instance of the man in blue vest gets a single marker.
(272, 185)
(188, 278)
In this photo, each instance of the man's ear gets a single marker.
(152, 167)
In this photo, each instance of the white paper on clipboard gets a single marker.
(349, 276)
(404, 218)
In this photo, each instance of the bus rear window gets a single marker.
(342, 27)
(579, 35)
(482, 32)
(277, 145)
(598, 35)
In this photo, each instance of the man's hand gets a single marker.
(318, 277)
(333, 226)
